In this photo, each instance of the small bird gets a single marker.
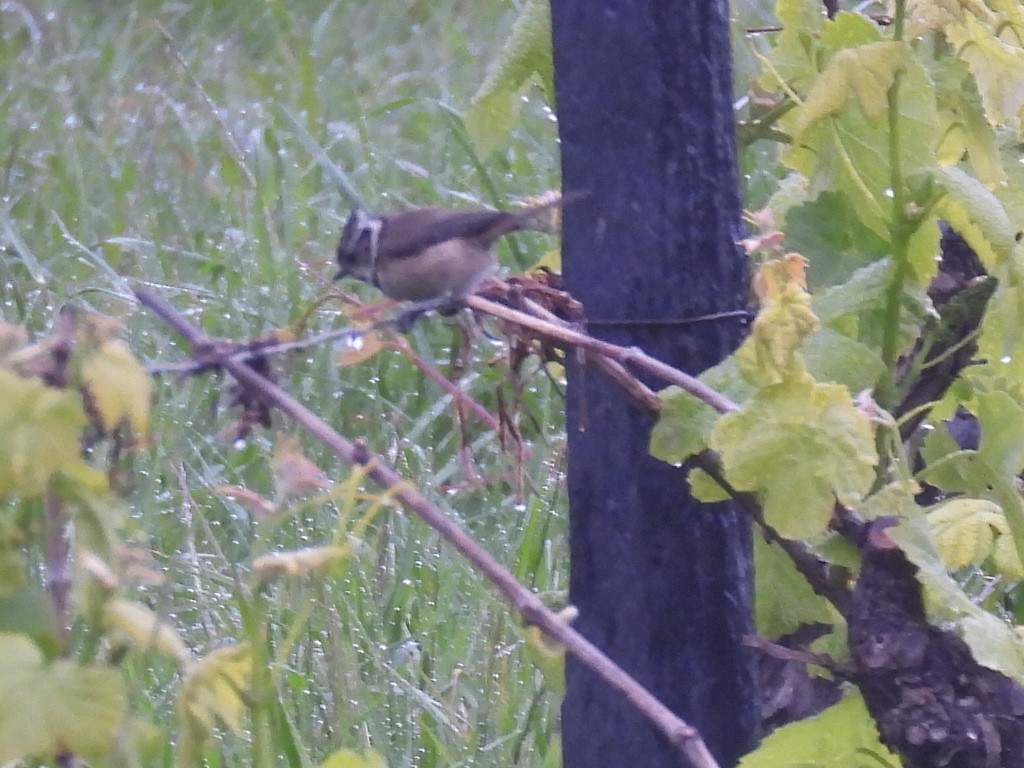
(432, 256)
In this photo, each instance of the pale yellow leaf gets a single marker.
(119, 387)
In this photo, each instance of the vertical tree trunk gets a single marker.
(663, 583)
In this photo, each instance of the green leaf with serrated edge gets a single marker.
(848, 30)
(836, 251)
(997, 66)
(792, 62)
(963, 531)
(848, 152)
(799, 445)
(977, 215)
(793, 58)
(705, 488)
(890, 500)
(857, 308)
(526, 53)
(801, 15)
(866, 73)
(843, 736)
(991, 471)
(783, 599)
(831, 356)
(962, 124)
(491, 118)
(922, 249)
(993, 642)
(41, 428)
(46, 708)
(685, 422)
(347, 758)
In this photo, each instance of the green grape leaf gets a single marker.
(997, 66)
(799, 445)
(866, 73)
(46, 709)
(856, 308)
(963, 530)
(705, 488)
(834, 252)
(993, 642)
(685, 422)
(991, 471)
(843, 736)
(962, 123)
(831, 356)
(41, 428)
(848, 30)
(841, 140)
(783, 598)
(977, 215)
(526, 53)
(801, 15)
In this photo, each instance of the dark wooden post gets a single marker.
(663, 583)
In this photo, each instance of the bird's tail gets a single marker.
(544, 213)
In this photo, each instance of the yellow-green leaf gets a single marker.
(704, 488)
(993, 642)
(997, 66)
(46, 708)
(962, 123)
(843, 736)
(977, 215)
(212, 691)
(799, 445)
(41, 428)
(865, 73)
(118, 385)
(783, 599)
(843, 143)
(801, 15)
(963, 530)
(144, 628)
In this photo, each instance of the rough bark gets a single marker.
(663, 583)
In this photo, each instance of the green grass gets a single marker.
(168, 144)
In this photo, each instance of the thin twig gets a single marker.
(626, 356)
(683, 736)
